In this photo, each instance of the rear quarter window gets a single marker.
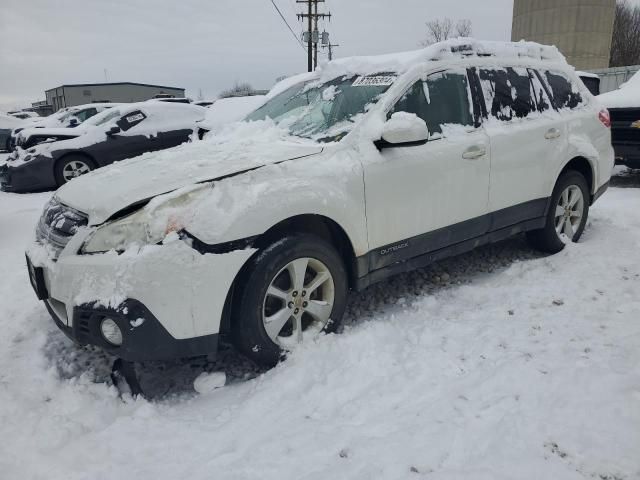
(564, 92)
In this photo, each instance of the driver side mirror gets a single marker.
(403, 129)
(113, 130)
(73, 122)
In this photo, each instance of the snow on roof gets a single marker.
(627, 96)
(401, 62)
(449, 49)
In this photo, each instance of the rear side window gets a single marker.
(508, 92)
(443, 99)
(542, 100)
(565, 93)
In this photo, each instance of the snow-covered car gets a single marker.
(364, 169)
(26, 136)
(115, 134)
(624, 108)
(7, 124)
(23, 115)
(228, 110)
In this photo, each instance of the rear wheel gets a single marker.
(71, 167)
(295, 289)
(567, 214)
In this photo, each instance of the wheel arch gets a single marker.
(314, 224)
(583, 166)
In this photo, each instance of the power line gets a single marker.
(287, 24)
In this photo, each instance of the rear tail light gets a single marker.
(605, 118)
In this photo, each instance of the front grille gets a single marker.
(625, 115)
(58, 224)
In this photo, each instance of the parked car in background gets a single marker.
(367, 168)
(7, 124)
(22, 115)
(624, 108)
(115, 134)
(28, 135)
(228, 110)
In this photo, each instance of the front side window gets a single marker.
(565, 93)
(130, 120)
(508, 93)
(441, 100)
(103, 118)
(83, 115)
(324, 111)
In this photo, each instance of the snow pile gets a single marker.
(7, 122)
(228, 110)
(627, 96)
(456, 371)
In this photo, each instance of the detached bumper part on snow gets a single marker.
(36, 174)
(143, 336)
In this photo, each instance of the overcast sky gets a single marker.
(202, 44)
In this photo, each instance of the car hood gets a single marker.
(103, 193)
(67, 132)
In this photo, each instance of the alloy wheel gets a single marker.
(74, 169)
(298, 302)
(569, 211)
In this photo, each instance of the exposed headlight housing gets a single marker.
(148, 226)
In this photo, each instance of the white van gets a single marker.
(346, 176)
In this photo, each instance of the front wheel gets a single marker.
(294, 289)
(567, 216)
(71, 167)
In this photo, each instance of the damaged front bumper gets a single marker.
(167, 300)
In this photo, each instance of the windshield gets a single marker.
(104, 117)
(324, 112)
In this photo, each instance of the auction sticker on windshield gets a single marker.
(374, 81)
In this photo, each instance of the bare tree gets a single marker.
(625, 44)
(439, 30)
(238, 90)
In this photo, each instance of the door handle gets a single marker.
(552, 133)
(474, 152)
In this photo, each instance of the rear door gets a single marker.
(420, 198)
(528, 139)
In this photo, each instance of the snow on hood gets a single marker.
(627, 96)
(237, 148)
(228, 110)
(53, 131)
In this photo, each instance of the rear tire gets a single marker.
(567, 215)
(276, 307)
(72, 166)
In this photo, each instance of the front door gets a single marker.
(420, 198)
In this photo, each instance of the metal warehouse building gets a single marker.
(581, 29)
(79, 94)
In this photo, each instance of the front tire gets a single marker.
(293, 290)
(70, 167)
(567, 215)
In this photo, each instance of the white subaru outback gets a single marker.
(343, 177)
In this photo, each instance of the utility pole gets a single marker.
(311, 36)
(330, 47)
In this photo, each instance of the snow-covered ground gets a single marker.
(499, 364)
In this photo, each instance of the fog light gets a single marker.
(111, 331)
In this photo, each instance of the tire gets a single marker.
(79, 163)
(549, 239)
(263, 340)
